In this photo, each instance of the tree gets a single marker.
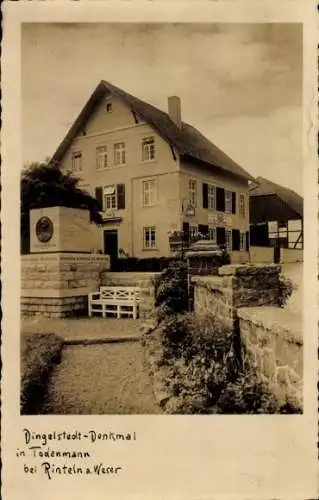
(46, 185)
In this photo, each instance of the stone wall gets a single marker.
(237, 257)
(270, 335)
(266, 255)
(236, 286)
(58, 285)
(62, 307)
(145, 281)
(290, 255)
(261, 255)
(272, 340)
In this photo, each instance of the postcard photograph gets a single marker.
(162, 222)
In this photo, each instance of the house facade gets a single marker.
(153, 175)
(276, 216)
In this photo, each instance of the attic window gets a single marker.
(109, 107)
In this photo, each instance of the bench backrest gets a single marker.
(128, 293)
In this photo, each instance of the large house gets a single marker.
(276, 216)
(154, 175)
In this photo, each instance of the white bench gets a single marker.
(116, 300)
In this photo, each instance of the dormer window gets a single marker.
(109, 107)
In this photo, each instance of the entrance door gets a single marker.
(111, 245)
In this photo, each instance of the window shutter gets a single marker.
(236, 239)
(121, 196)
(99, 197)
(221, 235)
(247, 241)
(205, 195)
(186, 231)
(220, 199)
(233, 202)
(203, 229)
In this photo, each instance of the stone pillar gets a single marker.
(236, 286)
(252, 285)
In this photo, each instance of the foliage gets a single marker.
(247, 394)
(39, 354)
(197, 358)
(201, 371)
(45, 185)
(286, 288)
(172, 290)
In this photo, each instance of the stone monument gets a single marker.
(63, 266)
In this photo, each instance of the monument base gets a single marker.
(63, 307)
(58, 284)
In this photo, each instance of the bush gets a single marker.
(197, 363)
(247, 394)
(39, 354)
(286, 288)
(171, 293)
(195, 357)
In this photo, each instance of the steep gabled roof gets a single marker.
(266, 187)
(186, 140)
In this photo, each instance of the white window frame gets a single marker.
(149, 243)
(149, 192)
(212, 234)
(229, 240)
(148, 148)
(119, 149)
(242, 202)
(109, 198)
(228, 201)
(76, 161)
(192, 192)
(211, 195)
(242, 242)
(101, 156)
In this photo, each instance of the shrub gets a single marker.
(171, 293)
(286, 288)
(39, 354)
(247, 394)
(196, 358)
(200, 370)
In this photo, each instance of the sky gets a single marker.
(239, 84)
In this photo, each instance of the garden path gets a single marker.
(98, 378)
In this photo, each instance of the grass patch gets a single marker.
(39, 353)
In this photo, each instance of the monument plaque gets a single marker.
(44, 229)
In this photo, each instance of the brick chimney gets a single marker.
(174, 110)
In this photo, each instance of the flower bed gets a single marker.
(39, 354)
